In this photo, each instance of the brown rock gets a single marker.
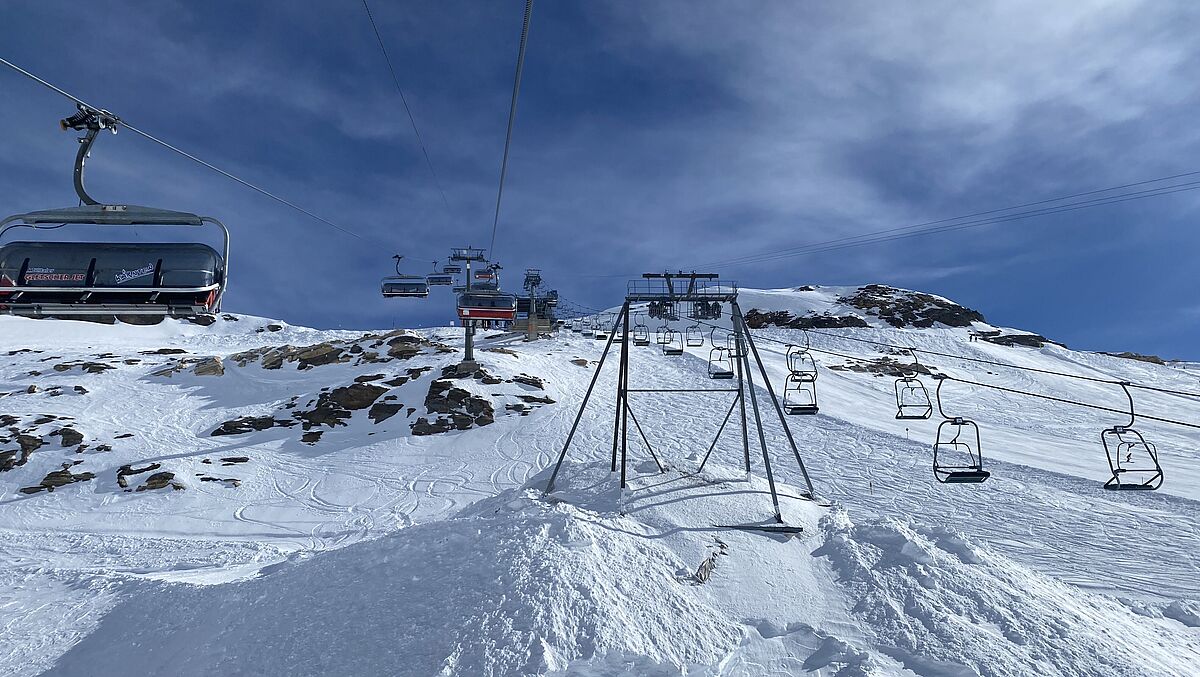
(160, 480)
(209, 366)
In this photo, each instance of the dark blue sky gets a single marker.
(650, 135)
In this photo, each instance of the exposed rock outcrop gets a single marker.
(903, 308)
(756, 319)
(458, 409)
(58, 478)
(161, 480)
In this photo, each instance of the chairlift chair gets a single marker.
(799, 395)
(801, 363)
(1132, 460)
(404, 286)
(439, 279)
(674, 344)
(487, 305)
(401, 285)
(599, 329)
(618, 331)
(695, 337)
(720, 364)
(586, 325)
(957, 459)
(48, 279)
(662, 336)
(641, 333)
(736, 346)
(912, 398)
(452, 268)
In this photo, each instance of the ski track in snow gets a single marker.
(70, 554)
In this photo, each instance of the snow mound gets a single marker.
(515, 585)
(941, 605)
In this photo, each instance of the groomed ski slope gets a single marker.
(378, 552)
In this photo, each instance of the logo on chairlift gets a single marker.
(124, 276)
(51, 275)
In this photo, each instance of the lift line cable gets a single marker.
(185, 154)
(977, 360)
(1014, 391)
(404, 100)
(964, 358)
(995, 387)
(1062, 400)
(512, 117)
(994, 363)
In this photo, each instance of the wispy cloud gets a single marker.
(649, 135)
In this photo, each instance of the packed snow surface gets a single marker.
(375, 549)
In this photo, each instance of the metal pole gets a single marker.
(469, 325)
(620, 395)
(775, 401)
(661, 467)
(732, 406)
(578, 416)
(742, 399)
(623, 386)
(762, 440)
(531, 332)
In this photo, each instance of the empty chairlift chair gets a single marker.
(1132, 460)
(586, 325)
(599, 328)
(674, 344)
(401, 285)
(720, 364)
(438, 278)
(912, 398)
(801, 363)
(694, 337)
(957, 454)
(800, 385)
(662, 336)
(641, 333)
(799, 396)
(736, 345)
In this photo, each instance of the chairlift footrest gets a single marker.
(966, 477)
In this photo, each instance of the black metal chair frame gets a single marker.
(952, 473)
(1120, 441)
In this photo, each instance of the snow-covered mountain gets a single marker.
(254, 498)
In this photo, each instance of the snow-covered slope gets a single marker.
(365, 508)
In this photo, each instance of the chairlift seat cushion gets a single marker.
(800, 409)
